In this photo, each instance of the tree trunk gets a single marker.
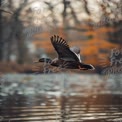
(1, 39)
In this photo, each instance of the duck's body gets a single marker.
(66, 64)
(68, 58)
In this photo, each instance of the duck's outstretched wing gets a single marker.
(63, 50)
(75, 49)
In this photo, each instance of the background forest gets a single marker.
(27, 25)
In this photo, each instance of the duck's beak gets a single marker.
(36, 61)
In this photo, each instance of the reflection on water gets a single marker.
(98, 108)
(54, 98)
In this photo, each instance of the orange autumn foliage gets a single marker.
(91, 49)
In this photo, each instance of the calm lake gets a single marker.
(60, 98)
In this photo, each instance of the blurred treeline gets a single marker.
(73, 17)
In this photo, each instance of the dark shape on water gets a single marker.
(68, 58)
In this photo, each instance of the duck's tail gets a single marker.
(46, 60)
(86, 67)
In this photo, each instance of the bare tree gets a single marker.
(1, 40)
(14, 41)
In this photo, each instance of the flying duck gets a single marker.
(68, 58)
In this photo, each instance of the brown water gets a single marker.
(47, 108)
